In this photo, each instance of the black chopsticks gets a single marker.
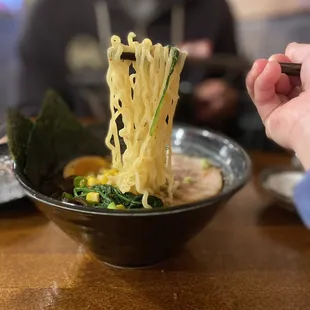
(291, 69)
(128, 56)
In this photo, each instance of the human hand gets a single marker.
(215, 101)
(283, 102)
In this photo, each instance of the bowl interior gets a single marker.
(220, 150)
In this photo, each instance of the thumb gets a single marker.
(297, 52)
(300, 53)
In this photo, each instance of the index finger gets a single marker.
(265, 96)
(257, 68)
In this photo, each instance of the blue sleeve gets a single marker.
(302, 199)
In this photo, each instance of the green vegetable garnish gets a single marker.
(79, 201)
(175, 56)
(66, 196)
(112, 205)
(80, 182)
(112, 198)
(205, 164)
(187, 180)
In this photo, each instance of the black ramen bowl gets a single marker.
(141, 238)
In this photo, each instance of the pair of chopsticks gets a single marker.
(228, 62)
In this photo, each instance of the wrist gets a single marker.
(303, 154)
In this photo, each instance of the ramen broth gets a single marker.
(194, 178)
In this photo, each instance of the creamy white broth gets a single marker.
(194, 178)
(194, 181)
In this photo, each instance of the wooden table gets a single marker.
(251, 256)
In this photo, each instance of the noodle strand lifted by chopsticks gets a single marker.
(145, 100)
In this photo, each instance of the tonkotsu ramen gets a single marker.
(144, 173)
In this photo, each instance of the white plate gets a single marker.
(9, 187)
(279, 183)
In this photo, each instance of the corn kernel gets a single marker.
(113, 206)
(91, 181)
(110, 172)
(114, 171)
(93, 197)
(102, 179)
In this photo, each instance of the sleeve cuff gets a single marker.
(302, 199)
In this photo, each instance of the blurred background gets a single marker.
(10, 24)
(59, 44)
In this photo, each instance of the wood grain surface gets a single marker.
(253, 255)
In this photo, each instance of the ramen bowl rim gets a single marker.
(222, 196)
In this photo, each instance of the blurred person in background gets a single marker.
(9, 35)
(267, 26)
(263, 28)
(63, 37)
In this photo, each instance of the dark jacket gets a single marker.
(52, 24)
